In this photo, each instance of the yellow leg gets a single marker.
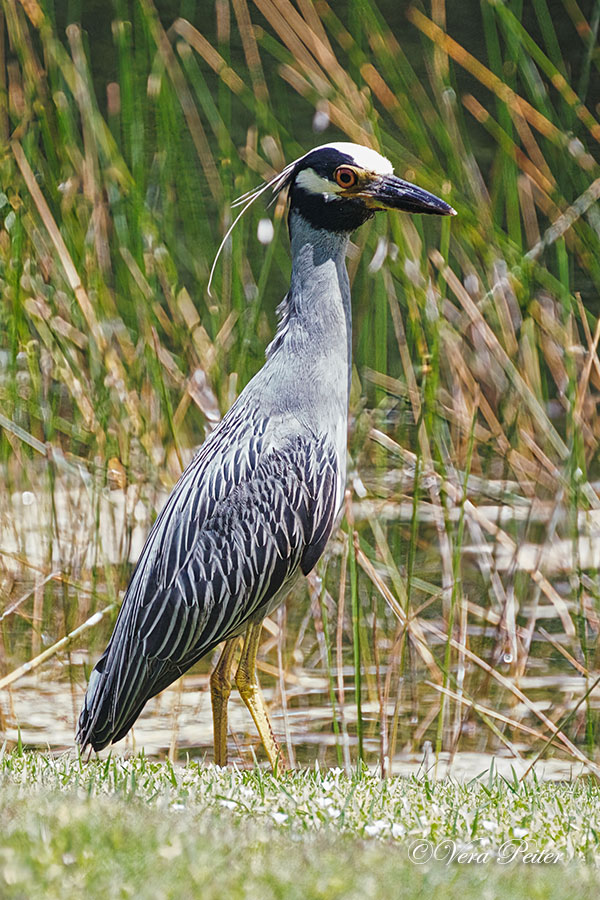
(247, 684)
(220, 689)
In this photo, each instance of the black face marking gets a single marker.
(324, 160)
(340, 215)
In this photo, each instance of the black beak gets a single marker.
(394, 193)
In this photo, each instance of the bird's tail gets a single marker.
(116, 695)
(93, 727)
(105, 717)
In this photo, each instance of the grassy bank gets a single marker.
(146, 829)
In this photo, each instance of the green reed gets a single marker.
(473, 417)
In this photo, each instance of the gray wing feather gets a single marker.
(238, 525)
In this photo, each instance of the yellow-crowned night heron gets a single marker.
(256, 505)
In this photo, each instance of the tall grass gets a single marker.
(472, 513)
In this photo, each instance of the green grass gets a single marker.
(144, 829)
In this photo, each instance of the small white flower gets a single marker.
(398, 830)
(279, 818)
(520, 832)
(229, 804)
(324, 802)
(489, 825)
(376, 828)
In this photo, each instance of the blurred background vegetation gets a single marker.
(459, 602)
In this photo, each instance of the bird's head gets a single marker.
(339, 186)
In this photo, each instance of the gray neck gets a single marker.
(306, 378)
(317, 316)
(319, 292)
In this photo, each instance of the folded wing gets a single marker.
(237, 528)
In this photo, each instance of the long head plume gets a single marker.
(277, 184)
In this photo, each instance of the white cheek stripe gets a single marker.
(314, 184)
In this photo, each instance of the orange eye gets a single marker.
(345, 177)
